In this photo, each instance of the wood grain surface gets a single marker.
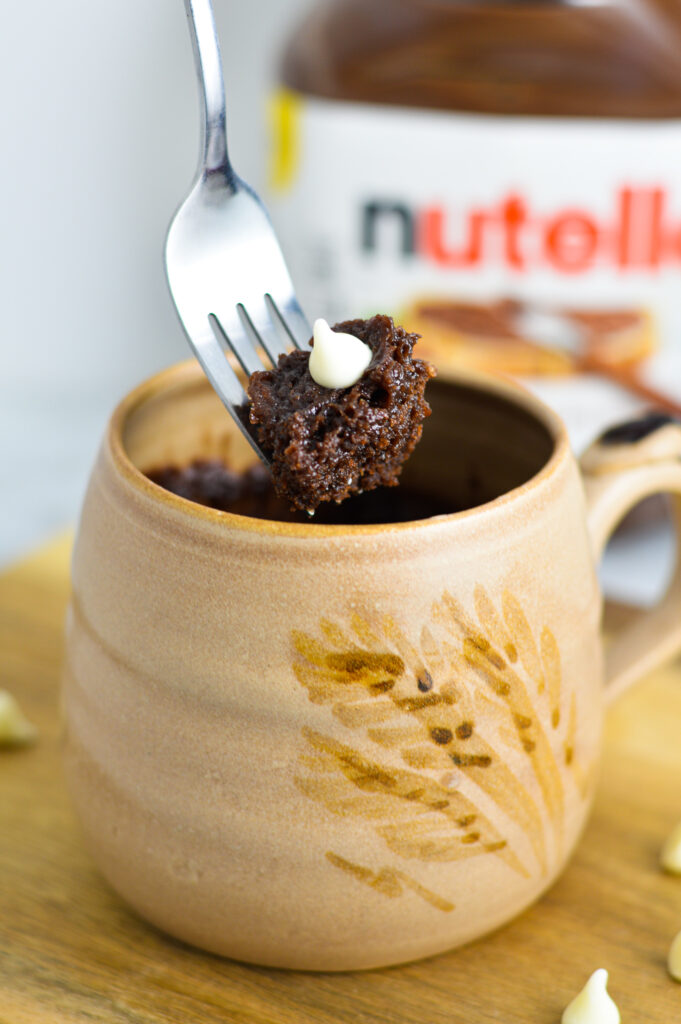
(71, 952)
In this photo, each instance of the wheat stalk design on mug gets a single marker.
(475, 716)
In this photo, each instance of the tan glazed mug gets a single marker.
(339, 747)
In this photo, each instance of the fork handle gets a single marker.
(213, 152)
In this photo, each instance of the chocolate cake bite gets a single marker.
(328, 443)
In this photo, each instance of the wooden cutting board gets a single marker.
(71, 952)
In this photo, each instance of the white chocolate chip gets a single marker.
(337, 360)
(593, 1005)
(15, 729)
(670, 855)
(674, 958)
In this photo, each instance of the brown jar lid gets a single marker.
(536, 57)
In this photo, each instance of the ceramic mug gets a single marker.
(340, 747)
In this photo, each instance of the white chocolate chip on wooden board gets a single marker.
(593, 1005)
(670, 855)
(15, 728)
(674, 958)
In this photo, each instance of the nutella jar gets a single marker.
(505, 178)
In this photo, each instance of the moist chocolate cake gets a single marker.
(328, 443)
(210, 482)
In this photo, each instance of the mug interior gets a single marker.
(482, 440)
(476, 446)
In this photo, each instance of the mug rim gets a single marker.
(190, 370)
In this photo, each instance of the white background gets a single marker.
(98, 122)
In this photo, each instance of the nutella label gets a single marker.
(540, 247)
(570, 240)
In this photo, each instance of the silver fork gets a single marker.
(226, 272)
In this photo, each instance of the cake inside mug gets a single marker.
(476, 446)
(211, 483)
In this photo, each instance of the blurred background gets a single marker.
(100, 132)
(100, 135)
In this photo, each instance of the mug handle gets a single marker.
(627, 463)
